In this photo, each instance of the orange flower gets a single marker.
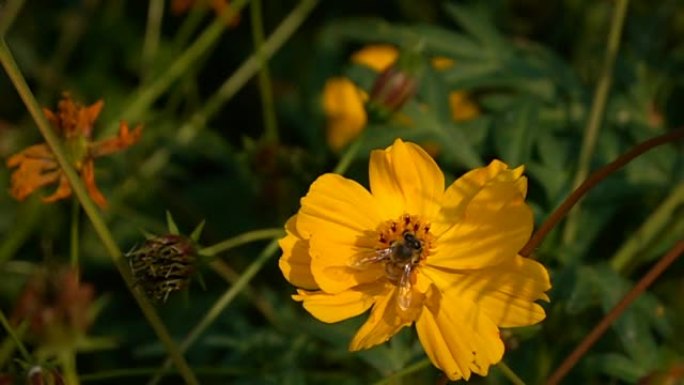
(36, 166)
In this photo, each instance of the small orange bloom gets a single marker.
(36, 165)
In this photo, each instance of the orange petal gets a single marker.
(63, 190)
(458, 337)
(404, 179)
(88, 175)
(124, 140)
(36, 168)
(295, 263)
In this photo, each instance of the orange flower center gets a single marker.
(402, 245)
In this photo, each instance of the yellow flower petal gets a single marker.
(378, 56)
(332, 263)
(345, 112)
(295, 263)
(335, 307)
(457, 337)
(385, 320)
(344, 208)
(506, 293)
(405, 179)
(459, 194)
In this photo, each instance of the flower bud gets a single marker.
(163, 264)
(394, 86)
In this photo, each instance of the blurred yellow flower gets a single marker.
(414, 251)
(343, 101)
(344, 110)
(36, 166)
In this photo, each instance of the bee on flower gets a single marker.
(414, 252)
(36, 166)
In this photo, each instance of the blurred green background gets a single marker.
(530, 67)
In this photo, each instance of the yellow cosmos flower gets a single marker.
(343, 101)
(414, 252)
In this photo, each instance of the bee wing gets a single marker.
(372, 257)
(405, 292)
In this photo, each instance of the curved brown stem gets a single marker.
(609, 318)
(592, 181)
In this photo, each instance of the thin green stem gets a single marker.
(247, 70)
(67, 360)
(75, 219)
(659, 220)
(348, 156)
(13, 335)
(9, 13)
(154, 90)
(240, 240)
(155, 13)
(221, 304)
(265, 87)
(190, 23)
(90, 209)
(404, 372)
(510, 374)
(597, 112)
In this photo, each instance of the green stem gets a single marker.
(155, 13)
(75, 217)
(248, 68)
(510, 374)
(190, 23)
(67, 360)
(404, 372)
(265, 87)
(348, 156)
(655, 224)
(9, 13)
(90, 209)
(240, 240)
(17, 341)
(154, 90)
(597, 112)
(221, 304)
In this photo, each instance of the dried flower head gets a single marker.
(36, 165)
(163, 265)
(415, 252)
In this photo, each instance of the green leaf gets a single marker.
(617, 366)
(474, 21)
(516, 131)
(171, 224)
(197, 232)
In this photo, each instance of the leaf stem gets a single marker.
(10, 11)
(596, 114)
(155, 13)
(67, 360)
(348, 156)
(510, 374)
(265, 86)
(91, 210)
(17, 341)
(596, 177)
(240, 240)
(614, 313)
(404, 372)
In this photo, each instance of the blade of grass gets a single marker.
(10, 10)
(265, 87)
(155, 13)
(91, 210)
(596, 114)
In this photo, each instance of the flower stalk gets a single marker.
(90, 209)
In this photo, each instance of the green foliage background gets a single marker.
(531, 65)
